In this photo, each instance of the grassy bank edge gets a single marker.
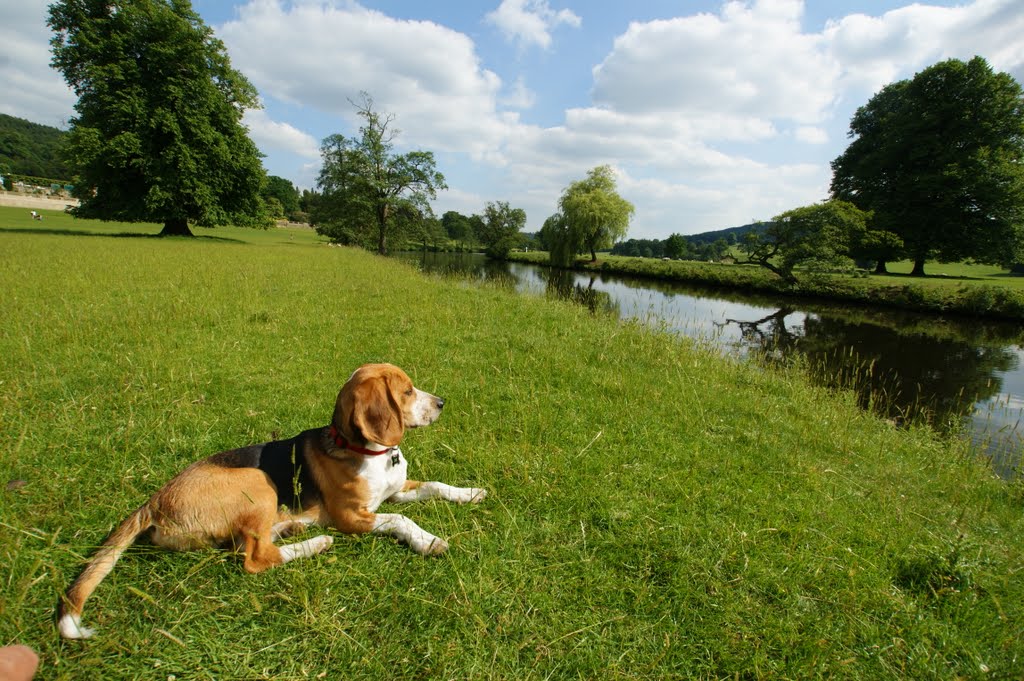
(960, 296)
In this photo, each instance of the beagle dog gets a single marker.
(248, 498)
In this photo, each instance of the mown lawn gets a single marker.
(947, 274)
(656, 511)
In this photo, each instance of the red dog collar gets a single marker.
(342, 443)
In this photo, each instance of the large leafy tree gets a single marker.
(501, 230)
(818, 234)
(284, 193)
(939, 160)
(369, 191)
(158, 134)
(591, 216)
(462, 228)
(677, 247)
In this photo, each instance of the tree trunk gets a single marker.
(880, 268)
(176, 227)
(382, 225)
(593, 254)
(918, 270)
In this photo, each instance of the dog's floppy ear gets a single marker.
(367, 409)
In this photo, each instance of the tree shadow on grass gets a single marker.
(116, 235)
(928, 277)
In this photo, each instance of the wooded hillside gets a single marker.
(28, 148)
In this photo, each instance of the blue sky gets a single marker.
(713, 114)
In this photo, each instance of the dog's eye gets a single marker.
(409, 392)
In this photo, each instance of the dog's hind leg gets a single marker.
(260, 551)
(287, 528)
(302, 549)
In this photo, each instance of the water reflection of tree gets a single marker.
(985, 332)
(470, 266)
(900, 375)
(562, 284)
(768, 336)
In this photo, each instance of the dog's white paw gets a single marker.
(466, 495)
(434, 546)
(306, 549)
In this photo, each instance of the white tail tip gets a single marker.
(71, 627)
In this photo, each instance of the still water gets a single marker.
(954, 372)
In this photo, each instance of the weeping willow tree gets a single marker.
(591, 216)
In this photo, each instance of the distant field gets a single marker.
(58, 222)
(940, 274)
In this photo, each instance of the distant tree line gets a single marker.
(676, 247)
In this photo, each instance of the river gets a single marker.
(962, 375)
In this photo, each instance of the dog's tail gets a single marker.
(69, 612)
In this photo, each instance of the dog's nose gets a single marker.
(440, 403)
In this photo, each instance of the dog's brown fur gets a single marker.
(238, 498)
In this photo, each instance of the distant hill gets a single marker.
(738, 232)
(28, 148)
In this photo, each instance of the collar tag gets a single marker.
(395, 459)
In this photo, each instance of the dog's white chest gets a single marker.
(385, 475)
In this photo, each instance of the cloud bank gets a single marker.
(711, 119)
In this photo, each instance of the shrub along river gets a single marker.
(960, 374)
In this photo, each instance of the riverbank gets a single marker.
(655, 510)
(945, 295)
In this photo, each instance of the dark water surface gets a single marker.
(953, 371)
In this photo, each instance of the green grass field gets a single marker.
(655, 510)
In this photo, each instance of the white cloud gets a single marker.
(465, 202)
(267, 133)
(520, 97)
(32, 90)
(321, 56)
(530, 22)
(751, 60)
(875, 51)
(810, 134)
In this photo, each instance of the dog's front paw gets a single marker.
(436, 547)
(429, 546)
(465, 495)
